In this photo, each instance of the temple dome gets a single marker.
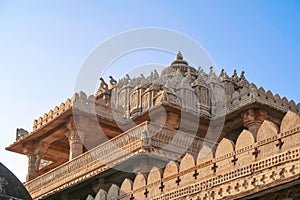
(178, 65)
(10, 186)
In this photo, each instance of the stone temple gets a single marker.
(180, 134)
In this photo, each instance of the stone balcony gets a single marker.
(145, 139)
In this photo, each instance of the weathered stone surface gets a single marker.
(139, 186)
(290, 121)
(101, 195)
(170, 170)
(243, 146)
(113, 192)
(89, 197)
(267, 139)
(204, 159)
(186, 163)
(245, 139)
(224, 153)
(153, 182)
(126, 189)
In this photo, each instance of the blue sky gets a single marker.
(44, 43)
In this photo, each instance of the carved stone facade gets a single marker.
(234, 170)
(181, 134)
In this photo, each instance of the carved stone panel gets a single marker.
(203, 100)
(146, 100)
(135, 101)
(188, 99)
(123, 100)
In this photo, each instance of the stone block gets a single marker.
(186, 163)
(153, 182)
(288, 129)
(139, 186)
(113, 193)
(126, 189)
(243, 148)
(223, 156)
(267, 139)
(170, 171)
(204, 162)
(101, 195)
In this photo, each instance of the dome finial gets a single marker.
(179, 56)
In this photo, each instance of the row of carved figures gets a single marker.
(129, 92)
(82, 100)
(199, 77)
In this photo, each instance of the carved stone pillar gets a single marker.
(29, 150)
(253, 118)
(76, 146)
(40, 151)
(34, 152)
(75, 135)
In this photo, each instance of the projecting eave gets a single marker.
(41, 132)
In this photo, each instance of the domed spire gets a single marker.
(178, 66)
(179, 60)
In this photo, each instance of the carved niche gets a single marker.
(203, 103)
(166, 95)
(148, 98)
(123, 100)
(136, 100)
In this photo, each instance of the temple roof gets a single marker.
(10, 186)
(235, 91)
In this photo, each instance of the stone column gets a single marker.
(76, 146)
(253, 118)
(29, 150)
(75, 134)
(34, 152)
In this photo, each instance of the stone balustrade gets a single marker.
(144, 138)
(231, 171)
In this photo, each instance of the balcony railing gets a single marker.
(145, 138)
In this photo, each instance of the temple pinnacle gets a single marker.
(179, 56)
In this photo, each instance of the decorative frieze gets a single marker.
(244, 178)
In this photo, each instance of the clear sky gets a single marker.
(44, 43)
